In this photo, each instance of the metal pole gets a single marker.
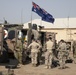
(41, 22)
(31, 12)
(22, 16)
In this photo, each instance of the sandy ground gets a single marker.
(28, 69)
(40, 70)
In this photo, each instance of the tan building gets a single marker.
(62, 33)
(65, 28)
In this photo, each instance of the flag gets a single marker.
(36, 8)
(42, 13)
(47, 17)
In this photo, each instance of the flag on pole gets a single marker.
(47, 17)
(42, 13)
(37, 9)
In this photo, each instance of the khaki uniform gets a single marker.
(34, 51)
(18, 51)
(62, 54)
(49, 53)
(39, 53)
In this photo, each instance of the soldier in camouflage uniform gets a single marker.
(68, 48)
(74, 51)
(62, 54)
(34, 51)
(18, 51)
(24, 53)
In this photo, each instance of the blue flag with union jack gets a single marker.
(47, 17)
(37, 9)
(42, 13)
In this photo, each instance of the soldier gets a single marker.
(24, 53)
(68, 48)
(74, 51)
(49, 53)
(39, 52)
(18, 50)
(61, 54)
(34, 51)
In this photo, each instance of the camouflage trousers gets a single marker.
(24, 55)
(48, 58)
(18, 56)
(62, 59)
(34, 56)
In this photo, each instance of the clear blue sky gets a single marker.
(17, 11)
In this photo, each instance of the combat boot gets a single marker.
(35, 65)
(32, 64)
(49, 67)
(46, 67)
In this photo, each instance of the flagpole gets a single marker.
(31, 13)
(31, 17)
(41, 22)
(21, 16)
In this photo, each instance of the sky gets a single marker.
(19, 11)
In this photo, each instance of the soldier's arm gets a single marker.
(29, 46)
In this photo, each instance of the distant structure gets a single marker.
(63, 28)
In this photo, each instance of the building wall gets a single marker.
(65, 34)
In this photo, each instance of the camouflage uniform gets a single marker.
(62, 54)
(74, 51)
(34, 52)
(18, 51)
(48, 54)
(68, 48)
(24, 53)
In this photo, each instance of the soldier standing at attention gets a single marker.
(34, 51)
(61, 54)
(49, 53)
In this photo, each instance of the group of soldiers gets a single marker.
(61, 52)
